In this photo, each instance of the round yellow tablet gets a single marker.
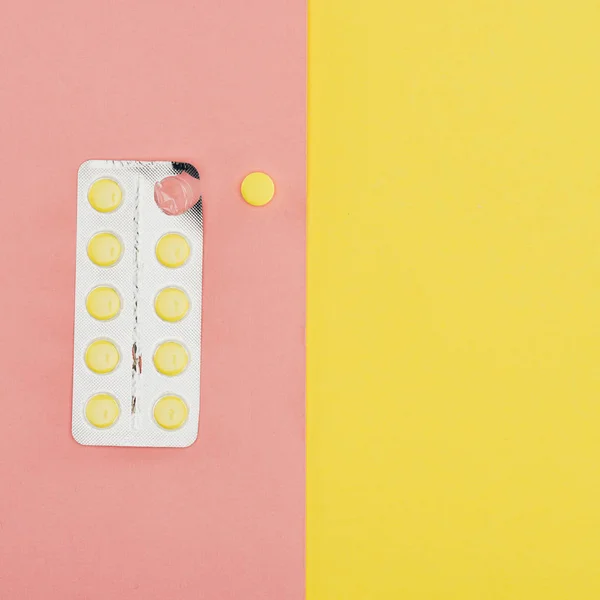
(171, 304)
(172, 250)
(102, 410)
(103, 303)
(258, 189)
(102, 356)
(170, 412)
(105, 195)
(170, 358)
(104, 249)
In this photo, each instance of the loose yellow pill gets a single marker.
(172, 250)
(103, 303)
(170, 358)
(258, 189)
(102, 410)
(171, 304)
(170, 412)
(104, 249)
(102, 356)
(105, 195)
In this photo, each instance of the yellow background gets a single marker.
(454, 300)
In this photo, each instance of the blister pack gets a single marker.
(138, 302)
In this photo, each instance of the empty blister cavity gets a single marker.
(176, 194)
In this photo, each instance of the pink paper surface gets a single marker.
(220, 85)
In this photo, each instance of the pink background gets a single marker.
(221, 85)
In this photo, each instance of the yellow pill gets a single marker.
(102, 356)
(170, 412)
(172, 250)
(170, 358)
(105, 195)
(104, 249)
(102, 410)
(103, 303)
(171, 304)
(258, 189)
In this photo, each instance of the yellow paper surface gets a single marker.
(454, 300)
